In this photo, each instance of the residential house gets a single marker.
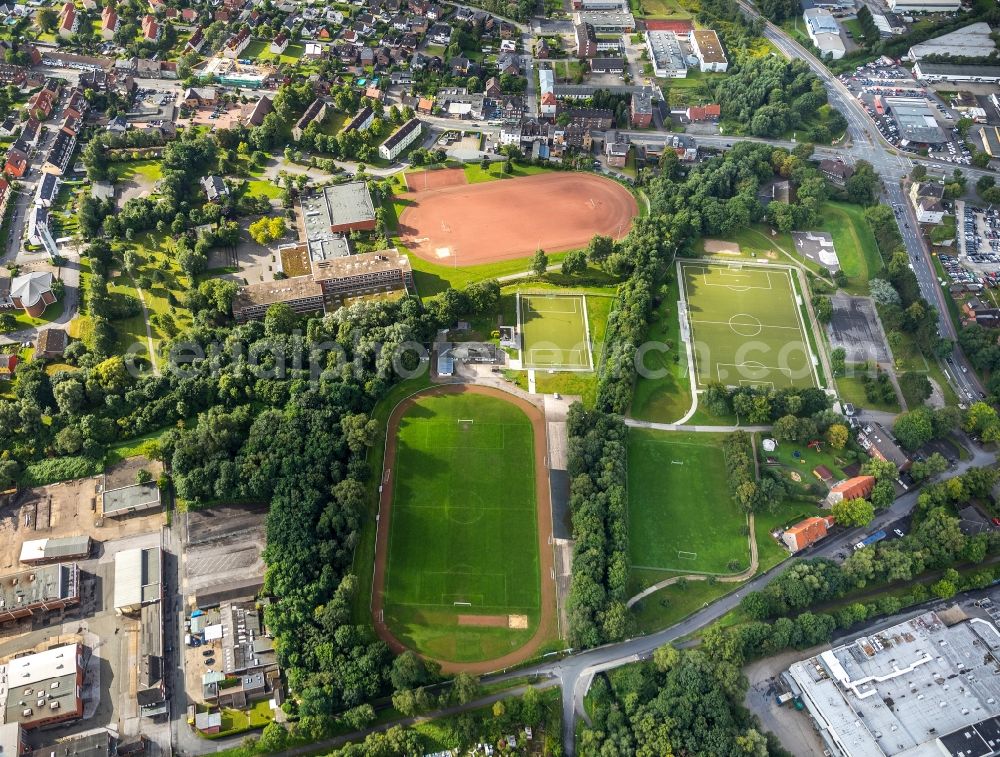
(12, 74)
(462, 66)
(616, 150)
(836, 171)
(641, 109)
(983, 314)
(510, 64)
(59, 154)
(586, 40)
(806, 533)
(236, 44)
(150, 28)
(440, 34)
(189, 15)
(600, 119)
(215, 188)
(492, 88)
(361, 121)
(852, 488)
(48, 190)
(44, 100)
(927, 201)
(400, 139)
(30, 133)
(199, 97)
(510, 108)
(51, 344)
(17, 161)
(608, 66)
(195, 41)
(279, 44)
(549, 105)
(542, 49)
(68, 21)
(878, 443)
(109, 22)
(697, 113)
(259, 111)
(316, 112)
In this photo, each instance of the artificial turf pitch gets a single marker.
(746, 326)
(681, 514)
(463, 538)
(554, 334)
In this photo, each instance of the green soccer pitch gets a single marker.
(746, 327)
(463, 538)
(554, 332)
(681, 514)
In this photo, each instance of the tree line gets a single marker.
(598, 450)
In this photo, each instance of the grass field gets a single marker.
(681, 516)
(854, 241)
(464, 533)
(746, 326)
(664, 394)
(554, 332)
(852, 389)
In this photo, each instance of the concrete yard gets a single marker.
(64, 509)
(224, 545)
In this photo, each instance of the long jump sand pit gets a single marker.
(426, 181)
(511, 218)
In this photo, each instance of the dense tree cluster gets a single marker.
(749, 493)
(761, 405)
(599, 503)
(681, 703)
(769, 96)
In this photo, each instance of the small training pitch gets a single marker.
(459, 575)
(746, 327)
(467, 224)
(681, 514)
(554, 332)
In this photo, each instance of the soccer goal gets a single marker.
(465, 421)
(682, 555)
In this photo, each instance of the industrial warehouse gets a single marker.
(906, 690)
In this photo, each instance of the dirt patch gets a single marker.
(517, 621)
(510, 219)
(487, 621)
(718, 246)
(547, 626)
(425, 181)
(124, 473)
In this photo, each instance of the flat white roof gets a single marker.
(32, 668)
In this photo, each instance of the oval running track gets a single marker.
(547, 596)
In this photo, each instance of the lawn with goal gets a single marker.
(554, 332)
(681, 514)
(463, 541)
(746, 326)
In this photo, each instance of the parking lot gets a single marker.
(218, 117)
(875, 82)
(979, 235)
